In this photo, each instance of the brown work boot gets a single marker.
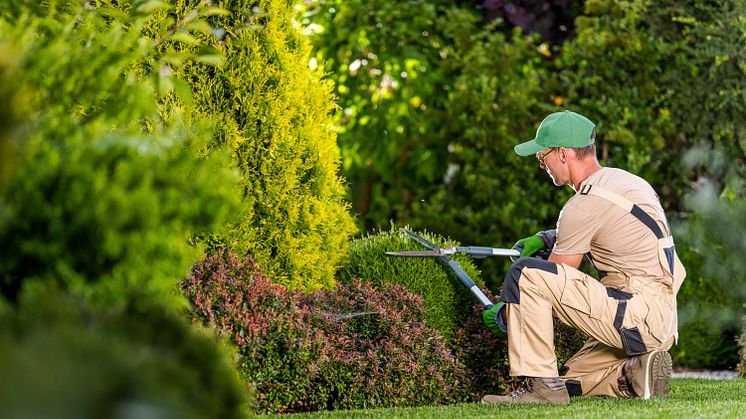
(535, 390)
(647, 374)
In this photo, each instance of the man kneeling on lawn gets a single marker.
(617, 220)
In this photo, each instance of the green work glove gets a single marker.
(493, 318)
(539, 245)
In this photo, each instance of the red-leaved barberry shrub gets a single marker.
(382, 351)
(358, 346)
(484, 354)
(278, 346)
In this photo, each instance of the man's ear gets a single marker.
(562, 154)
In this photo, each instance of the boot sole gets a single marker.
(657, 373)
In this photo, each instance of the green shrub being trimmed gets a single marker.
(450, 308)
(446, 300)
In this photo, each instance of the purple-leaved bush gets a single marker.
(304, 353)
(279, 349)
(391, 357)
(485, 354)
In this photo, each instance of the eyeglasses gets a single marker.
(541, 157)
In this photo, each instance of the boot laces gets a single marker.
(526, 387)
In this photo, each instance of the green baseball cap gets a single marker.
(560, 129)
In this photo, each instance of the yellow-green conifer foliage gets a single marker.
(274, 112)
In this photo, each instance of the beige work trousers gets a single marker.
(623, 316)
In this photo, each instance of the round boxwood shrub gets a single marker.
(445, 299)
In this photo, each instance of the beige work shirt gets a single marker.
(616, 240)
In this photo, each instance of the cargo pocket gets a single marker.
(583, 294)
(575, 294)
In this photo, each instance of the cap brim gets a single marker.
(528, 148)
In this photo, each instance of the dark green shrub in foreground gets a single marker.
(103, 197)
(301, 353)
(445, 299)
(65, 358)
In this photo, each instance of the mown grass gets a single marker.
(690, 397)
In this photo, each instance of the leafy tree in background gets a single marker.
(659, 79)
(431, 103)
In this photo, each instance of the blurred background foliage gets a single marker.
(136, 135)
(433, 95)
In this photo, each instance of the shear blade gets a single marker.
(416, 253)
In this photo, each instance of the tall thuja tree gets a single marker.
(273, 111)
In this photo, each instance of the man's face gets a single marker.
(545, 161)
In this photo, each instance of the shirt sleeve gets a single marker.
(576, 228)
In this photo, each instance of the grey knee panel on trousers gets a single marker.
(511, 293)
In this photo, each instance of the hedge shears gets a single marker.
(477, 252)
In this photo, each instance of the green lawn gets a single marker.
(690, 397)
